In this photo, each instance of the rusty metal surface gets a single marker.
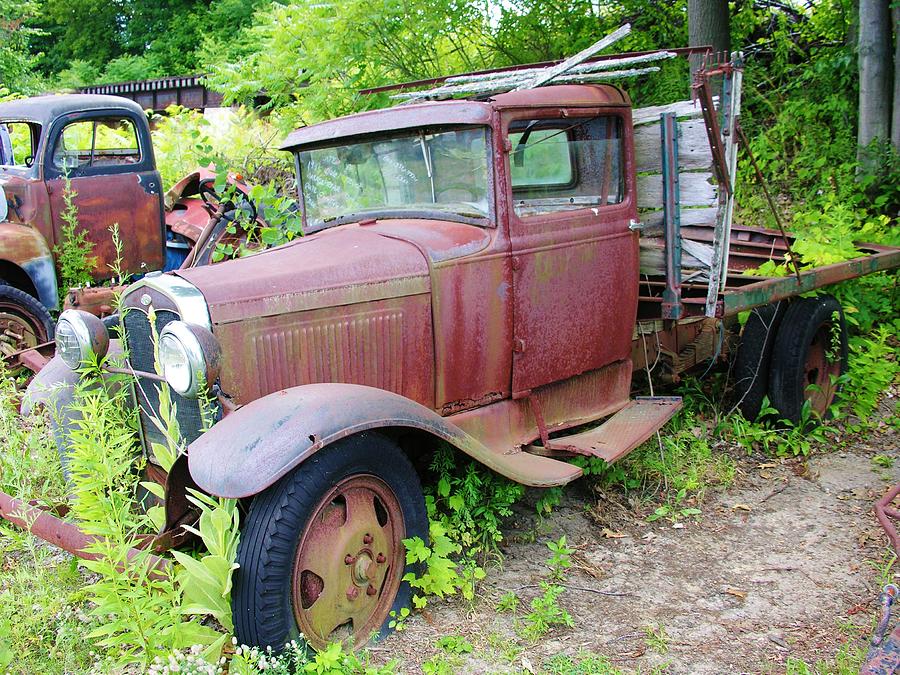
(575, 275)
(27, 263)
(97, 300)
(66, 535)
(622, 432)
(771, 290)
(349, 562)
(257, 444)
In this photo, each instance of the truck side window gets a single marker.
(565, 164)
(18, 143)
(97, 143)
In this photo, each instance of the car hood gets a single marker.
(342, 266)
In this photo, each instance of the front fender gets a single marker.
(26, 248)
(259, 443)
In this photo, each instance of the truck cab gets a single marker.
(101, 145)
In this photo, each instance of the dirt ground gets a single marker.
(786, 563)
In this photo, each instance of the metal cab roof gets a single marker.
(454, 112)
(45, 109)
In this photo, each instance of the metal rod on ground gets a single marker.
(67, 535)
(765, 189)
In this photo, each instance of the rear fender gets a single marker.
(260, 442)
(26, 249)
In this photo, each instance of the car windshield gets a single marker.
(441, 173)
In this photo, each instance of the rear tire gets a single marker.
(24, 321)
(331, 531)
(751, 367)
(810, 351)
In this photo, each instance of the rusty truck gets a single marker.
(471, 275)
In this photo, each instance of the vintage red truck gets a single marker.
(471, 275)
(102, 144)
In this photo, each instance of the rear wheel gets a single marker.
(322, 552)
(24, 321)
(810, 353)
(751, 367)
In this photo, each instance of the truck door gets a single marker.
(571, 197)
(109, 161)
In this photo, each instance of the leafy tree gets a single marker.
(17, 58)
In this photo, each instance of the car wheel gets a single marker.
(810, 353)
(321, 553)
(24, 321)
(751, 366)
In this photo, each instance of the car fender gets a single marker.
(257, 444)
(27, 249)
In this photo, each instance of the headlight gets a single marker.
(188, 357)
(78, 336)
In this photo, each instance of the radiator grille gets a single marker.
(140, 354)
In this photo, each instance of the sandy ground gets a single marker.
(784, 564)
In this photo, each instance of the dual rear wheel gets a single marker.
(792, 353)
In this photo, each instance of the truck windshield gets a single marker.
(437, 174)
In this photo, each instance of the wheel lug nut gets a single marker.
(380, 558)
(371, 590)
(367, 539)
(349, 560)
(352, 592)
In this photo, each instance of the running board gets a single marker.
(621, 433)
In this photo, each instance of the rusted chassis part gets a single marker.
(41, 523)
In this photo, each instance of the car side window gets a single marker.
(96, 143)
(566, 164)
(18, 143)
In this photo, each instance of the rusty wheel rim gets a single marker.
(17, 332)
(820, 372)
(349, 563)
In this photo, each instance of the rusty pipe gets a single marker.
(885, 514)
(67, 535)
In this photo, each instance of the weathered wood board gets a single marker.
(694, 190)
(653, 220)
(693, 147)
(651, 114)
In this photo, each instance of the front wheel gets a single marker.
(322, 554)
(24, 321)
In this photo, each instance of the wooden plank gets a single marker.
(650, 115)
(694, 255)
(580, 57)
(695, 189)
(653, 220)
(693, 147)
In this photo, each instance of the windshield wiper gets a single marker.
(426, 156)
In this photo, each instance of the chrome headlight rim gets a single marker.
(90, 334)
(201, 353)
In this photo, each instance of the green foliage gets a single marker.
(584, 663)
(657, 638)
(73, 252)
(509, 602)
(469, 501)
(545, 613)
(560, 557)
(17, 54)
(872, 369)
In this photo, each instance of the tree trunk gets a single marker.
(895, 124)
(874, 75)
(708, 24)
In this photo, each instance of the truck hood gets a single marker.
(340, 266)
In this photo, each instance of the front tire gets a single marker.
(24, 321)
(321, 552)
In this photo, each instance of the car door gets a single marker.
(574, 257)
(109, 162)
